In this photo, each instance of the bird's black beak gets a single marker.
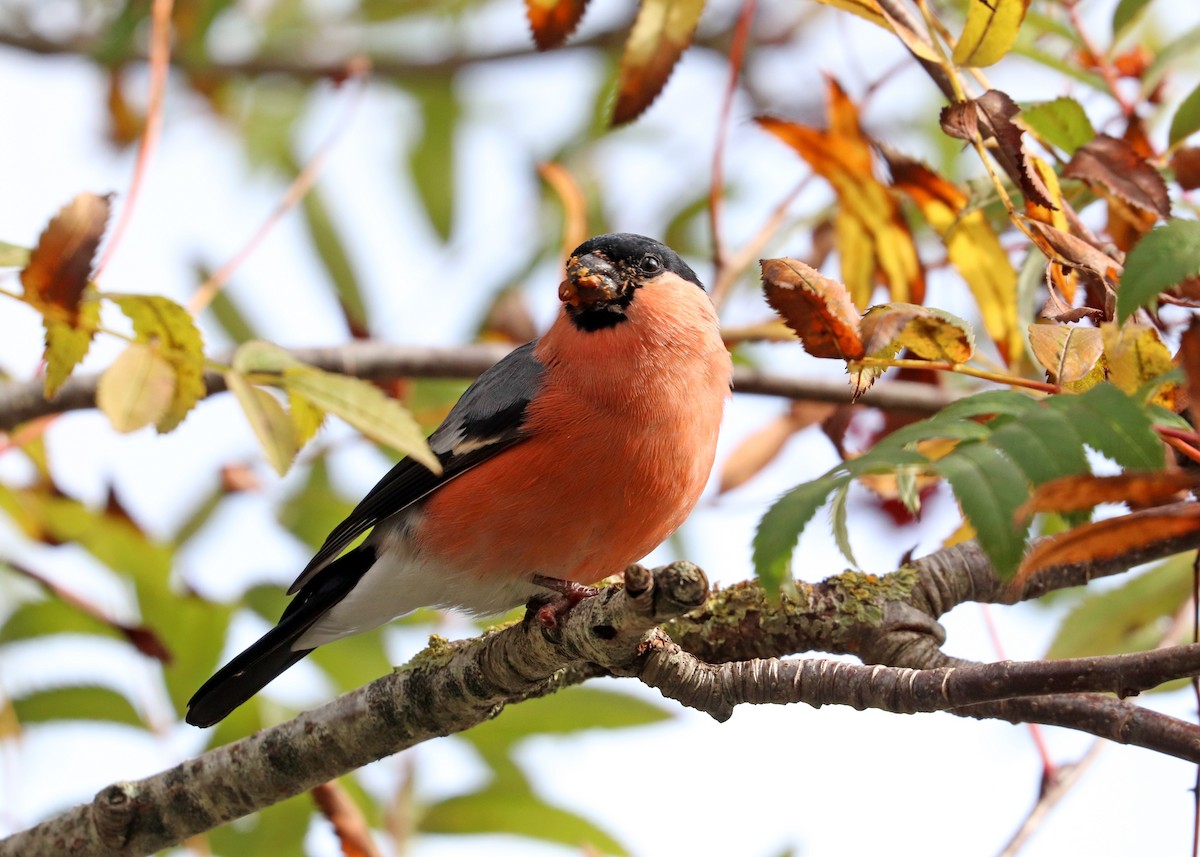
(591, 280)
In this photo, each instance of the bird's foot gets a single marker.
(551, 609)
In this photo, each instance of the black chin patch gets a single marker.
(598, 317)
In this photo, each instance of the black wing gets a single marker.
(489, 417)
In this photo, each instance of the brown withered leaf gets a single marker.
(552, 21)
(817, 308)
(1067, 353)
(661, 33)
(1109, 540)
(1117, 168)
(1140, 489)
(990, 115)
(1189, 359)
(1075, 252)
(1186, 164)
(931, 334)
(61, 263)
(760, 447)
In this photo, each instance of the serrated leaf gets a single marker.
(780, 529)
(837, 520)
(552, 21)
(1114, 165)
(1113, 424)
(932, 334)
(1126, 13)
(1186, 120)
(270, 422)
(990, 490)
(431, 160)
(1136, 356)
(1062, 122)
(660, 34)
(1125, 619)
(136, 389)
(365, 407)
(990, 31)
(817, 308)
(1043, 443)
(1139, 488)
(1165, 257)
(170, 327)
(67, 345)
(88, 702)
(516, 811)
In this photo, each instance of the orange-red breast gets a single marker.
(574, 456)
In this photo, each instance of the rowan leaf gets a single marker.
(1115, 166)
(780, 528)
(1111, 538)
(332, 252)
(1068, 353)
(1135, 356)
(660, 34)
(431, 159)
(1062, 122)
(137, 389)
(932, 334)
(61, 264)
(1113, 424)
(1186, 120)
(161, 321)
(82, 702)
(990, 31)
(1082, 491)
(837, 520)
(817, 308)
(553, 21)
(1125, 15)
(990, 490)
(1164, 258)
(269, 421)
(1043, 443)
(363, 406)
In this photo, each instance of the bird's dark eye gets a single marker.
(650, 264)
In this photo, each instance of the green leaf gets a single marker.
(837, 517)
(1061, 122)
(257, 356)
(1127, 12)
(780, 528)
(989, 489)
(270, 422)
(163, 322)
(365, 407)
(278, 829)
(504, 809)
(1113, 424)
(315, 509)
(1165, 257)
(569, 711)
(354, 661)
(88, 702)
(337, 263)
(1043, 443)
(431, 160)
(50, 616)
(1128, 618)
(1186, 120)
(229, 316)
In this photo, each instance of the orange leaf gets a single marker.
(563, 183)
(1112, 539)
(873, 238)
(816, 307)
(552, 21)
(349, 824)
(661, 33)
(1137, 488)
(61, 263)
(1189, 358)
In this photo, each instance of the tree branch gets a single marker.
(21, 401)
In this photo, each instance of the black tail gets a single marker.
(253, 669)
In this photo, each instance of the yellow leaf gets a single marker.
(1136, 355)
(660, 34)
(867, 9)
(1068, 353)
(136, 389)
(165, 323)
(990, 31)
(306, 417)
(931, 334)
(67, 344)
(270, 422)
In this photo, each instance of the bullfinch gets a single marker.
(574, 456)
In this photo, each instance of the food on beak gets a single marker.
(591, 279)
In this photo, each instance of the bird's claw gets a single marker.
(550, 609)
